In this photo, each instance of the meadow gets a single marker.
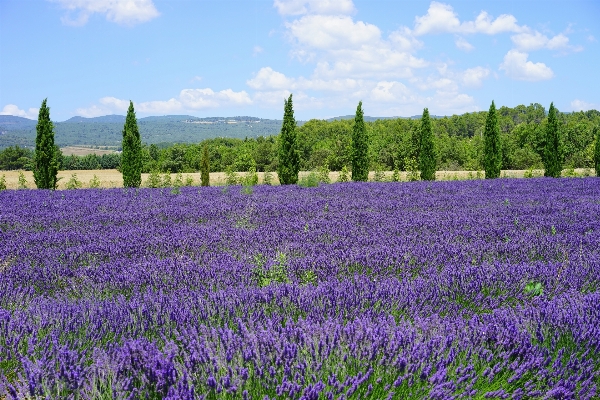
(472, 289)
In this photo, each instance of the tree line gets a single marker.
(506, 138)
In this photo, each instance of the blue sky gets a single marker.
(226, 58)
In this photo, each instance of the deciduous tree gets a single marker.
(492, 150)
(289, 160)
(45, 163)
(131, 161)
(360, 147)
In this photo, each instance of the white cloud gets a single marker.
(93, 111)
(188, 100)
(580, 105)
(343, 48)
(516, 66)
(11, 109)
(331, 32)
(463, 45)
(473, 77)
(267, 79)
(404, 40)
(484, 24)
(591, 39)
(441, 18)
(158, 107)
(300, 7)
(257, 50)
(534, 41)
(124, 12)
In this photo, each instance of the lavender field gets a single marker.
(472, 289)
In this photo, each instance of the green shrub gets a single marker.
(154, 180)
(166, 180)
(412, 169)
(344, 175)
(3, 182)
(311, 180)
(73, 183)
(323, 174)
(231, 177)
(22, 181)
(379, 174)
(268, 178)
(250, 178)
(94, 182)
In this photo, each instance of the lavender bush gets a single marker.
(474, 289)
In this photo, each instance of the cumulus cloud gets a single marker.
(300, 7)
(529, 41)
(124, 12)
(344, 48)
(473, 77)
(188, 100)
(441, 18)
(580, 105)
(11, 109)
(328, 32)
(463, 45)
(268, 79)
(517, 67)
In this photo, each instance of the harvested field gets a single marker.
(111, 178)
(83, 151)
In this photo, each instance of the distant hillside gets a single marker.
(105, 118)
(107, 130)
(12, 123)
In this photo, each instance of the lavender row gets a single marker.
(298, 293)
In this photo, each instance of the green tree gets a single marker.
(492, 150)
(131, 159)
(45, 164)
(360, 147)
(289, 160)
(205, 167)
(552, 151)
(427, 149)
(597, 151)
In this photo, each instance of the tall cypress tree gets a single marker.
(45, 164)
(427, 149)
(205, 167)
(492, 150)
(552, 150)
(289, 160)
(360, 147)
(597, 151)
(131, 158)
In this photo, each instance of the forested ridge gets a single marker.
(392, 144)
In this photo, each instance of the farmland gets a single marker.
(455, 289)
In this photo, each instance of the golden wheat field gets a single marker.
(111, 178)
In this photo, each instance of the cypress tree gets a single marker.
(45, 163)
(205, 167)
(597, 151)
(492, 150)
(360, 147)
(131, 159)
(552, 150)
(426, 150)
(289, 160)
